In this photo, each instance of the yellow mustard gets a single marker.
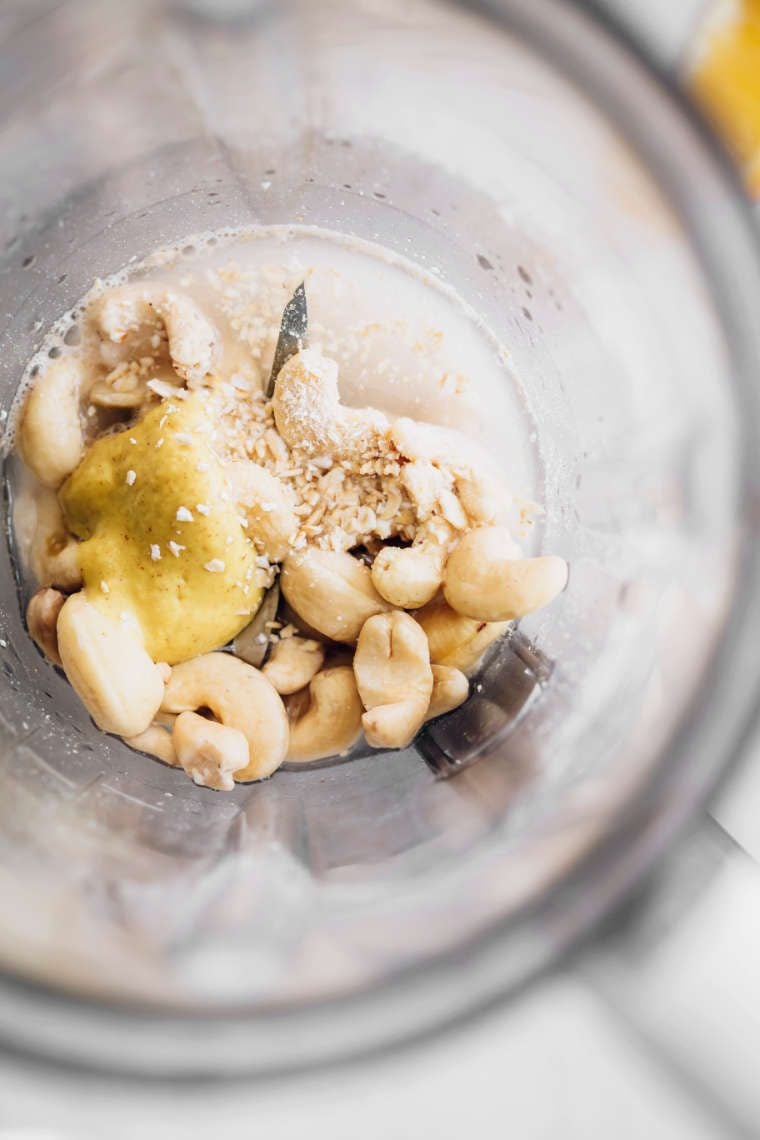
(162, 541)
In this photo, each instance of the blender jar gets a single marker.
(539, 168)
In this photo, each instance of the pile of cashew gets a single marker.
(378, 644)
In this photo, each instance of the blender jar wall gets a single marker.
(448, 140)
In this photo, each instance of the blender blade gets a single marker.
(294, 330)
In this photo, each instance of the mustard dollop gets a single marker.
(162, 543)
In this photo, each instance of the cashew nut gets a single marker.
(292, 664)
(331, 591)
(450, 690)
(193, 340)
(456, 640)
(210, 753)
(394, 678)
(50, 436)
(309, 415)
(487, 580)
(240, 697)
(156, 741)
(331, 722)
(42, 619)
(53, 552)
(268, 504)
(108, 668)
(408, 577)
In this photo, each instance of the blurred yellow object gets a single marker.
(725, 78)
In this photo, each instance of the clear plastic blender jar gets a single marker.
(568, 196)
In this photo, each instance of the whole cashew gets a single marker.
(193, 340)
(240, 697)
(310, 416)
(108, 668)
(394, 678)
(210, 753)
(332, 720)
(486, 581)
(292, 664)
(53, 553)
(408, 577)
(42, 619)
(450, 690)
(331, 591)
(455, 640)
(156, 740)
(50, 435)
(267, 503)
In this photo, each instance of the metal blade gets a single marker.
(247, 645)
(294, 332)
(511, 679)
